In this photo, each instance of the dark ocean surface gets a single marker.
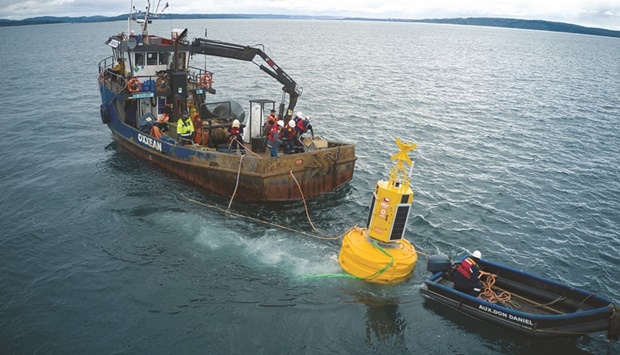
(518, 156)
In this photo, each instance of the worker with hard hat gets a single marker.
(235, 136)
(302, 125)
(288, 137)
(185, 129)
(274, 139)
(465, 277)
(272, 119)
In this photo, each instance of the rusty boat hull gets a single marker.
(253, 177)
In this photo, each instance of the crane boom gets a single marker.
(247, 53)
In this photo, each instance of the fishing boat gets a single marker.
(523, 302)
(153, 81)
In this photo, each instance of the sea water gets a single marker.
(518, 155)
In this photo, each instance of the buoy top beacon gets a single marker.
(379, 253)
(389, 209)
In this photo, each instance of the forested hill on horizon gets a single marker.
(540, 25)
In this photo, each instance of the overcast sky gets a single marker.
(591, 13)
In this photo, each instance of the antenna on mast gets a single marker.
(146, 19)
(129, 19)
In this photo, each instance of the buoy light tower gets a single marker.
(378, 253)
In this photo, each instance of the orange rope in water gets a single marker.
(303, 199)
(236, 184)
(264, 222)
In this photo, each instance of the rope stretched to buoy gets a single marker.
(303, 199)
(263, 221)
(236, 183)
(420, 252)
(239, 171)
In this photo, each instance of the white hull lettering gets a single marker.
(521, 320)
(149, 142)
(506, 315)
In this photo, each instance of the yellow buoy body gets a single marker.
(374, 261)
(379, 253)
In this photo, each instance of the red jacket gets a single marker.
(467, 268)
(274, 133)
(234, 131)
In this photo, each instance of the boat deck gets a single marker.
(218, 134)
(528, 299)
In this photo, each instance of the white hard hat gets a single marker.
(476, 254)
(281, 123)
(300, 115)
(236, 123)
(291, 123)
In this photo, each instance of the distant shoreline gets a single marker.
(470, 21)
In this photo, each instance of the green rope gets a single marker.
(324, 276)
(387, 266)
(349, 276)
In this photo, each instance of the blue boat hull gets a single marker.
(546, 309)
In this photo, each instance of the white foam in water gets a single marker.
(286, 251)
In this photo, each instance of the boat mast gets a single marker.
(129, 19)
(145, 32)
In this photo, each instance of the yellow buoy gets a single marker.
(378, 253)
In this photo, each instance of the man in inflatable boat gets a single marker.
(465, 276)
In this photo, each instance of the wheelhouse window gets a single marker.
(163, 58)
(139, 58)
(151, 58)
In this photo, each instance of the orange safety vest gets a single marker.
(465, 267)
(272, 119)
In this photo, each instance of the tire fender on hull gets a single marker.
(105, 116)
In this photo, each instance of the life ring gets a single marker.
(134, 85)
(206, 80)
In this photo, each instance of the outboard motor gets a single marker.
(438, 263)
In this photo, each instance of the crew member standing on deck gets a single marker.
(235, 135)
(271, 120)
(302, 125)
(273, 141)
(288, 137)
(466, 275)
